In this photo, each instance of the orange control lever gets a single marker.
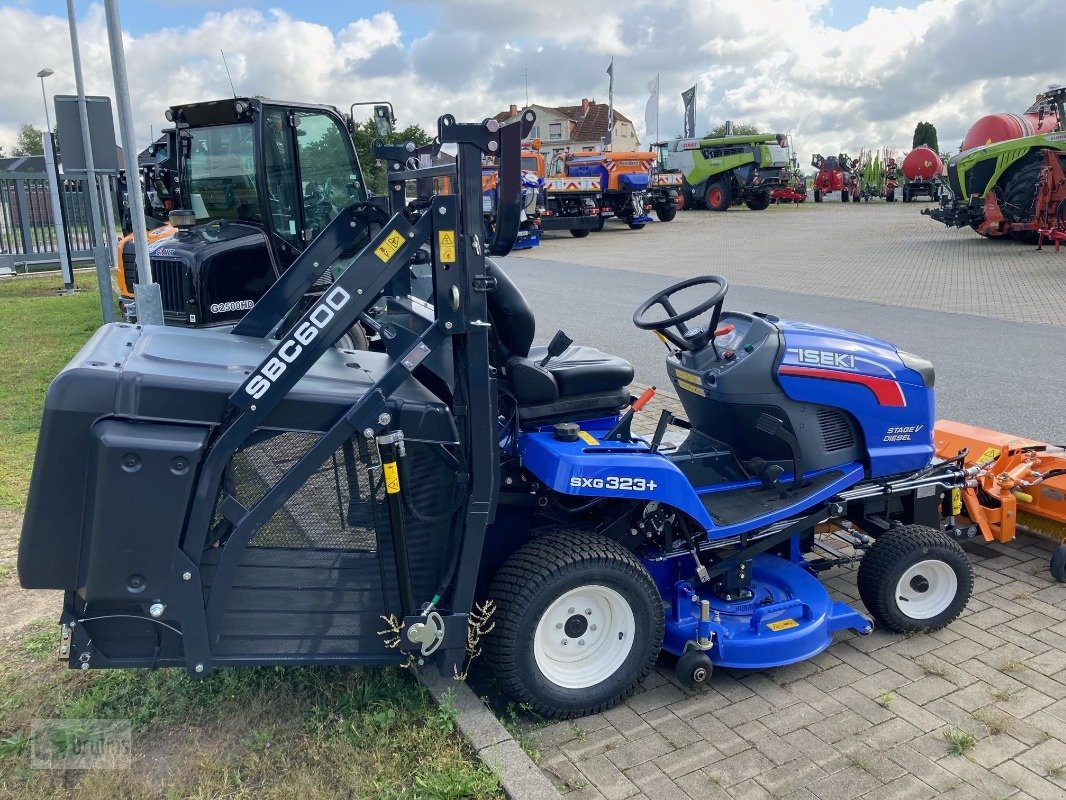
(642, 401)
(724, 330)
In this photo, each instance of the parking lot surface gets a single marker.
(878, 717)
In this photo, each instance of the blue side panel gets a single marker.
(867, 378)
(632, 471)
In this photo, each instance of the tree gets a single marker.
(28, 141)
(925, 133)
(365, 133)
(739, 129)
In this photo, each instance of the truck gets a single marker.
(564, 203)
(629, 184)
(723, 171)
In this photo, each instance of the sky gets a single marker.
(835, 74)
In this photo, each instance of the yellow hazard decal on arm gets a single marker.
(387, 249)
(392, 477)
(587, 437)
(782, 625)
(446, 246)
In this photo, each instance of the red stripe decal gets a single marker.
(887, 392)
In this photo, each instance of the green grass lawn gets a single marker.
(240, 733)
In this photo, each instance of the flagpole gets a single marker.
(657, 87)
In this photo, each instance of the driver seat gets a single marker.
(580, 381)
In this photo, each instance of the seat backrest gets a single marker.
(512, 319)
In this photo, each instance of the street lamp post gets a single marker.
(48, 146)
(46, 73)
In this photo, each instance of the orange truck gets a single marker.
(630, 184)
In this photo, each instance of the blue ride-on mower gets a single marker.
(212, 499)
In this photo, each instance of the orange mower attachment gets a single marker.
(1011, 481)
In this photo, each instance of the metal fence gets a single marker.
(28, 240)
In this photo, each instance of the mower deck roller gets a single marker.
(262, 497)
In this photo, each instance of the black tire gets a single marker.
(1018, 194)
(543, 571)
(579, 233)
(891, 196)
(1058, 564)
(759, 202)
(599, 224)
(354, 339)
(636, 226)
(665, 212)
(844, 197)
(906, 195)
(892, 555)
(817, 196)
(693, 668)
(719, 196)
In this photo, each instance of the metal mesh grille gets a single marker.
(334, 510)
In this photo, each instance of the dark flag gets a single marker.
(689, 97)
(610, 107)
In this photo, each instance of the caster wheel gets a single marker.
(1058, 564)
(694, 668)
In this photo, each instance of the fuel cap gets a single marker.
(566, 431)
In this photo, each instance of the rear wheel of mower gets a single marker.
(579, 624)
(1058, 564)
(665, 212)
(719, 196)
(579, 233)
(693, 668)
(759, 202)
(1019, 195)
(915, 578)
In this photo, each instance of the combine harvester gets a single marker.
(724, 171)
(1006, 181)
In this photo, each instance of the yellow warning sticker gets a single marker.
(782, 624)
(587, 437)
(446, 246)
(988, 455)
(690, 382)
(387, 249)
(392, 477)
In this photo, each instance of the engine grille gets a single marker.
(171, 275)
(837, 431)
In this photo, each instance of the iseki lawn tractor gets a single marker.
(261, 497)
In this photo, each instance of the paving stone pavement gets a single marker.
(878, 252)
(868, 718)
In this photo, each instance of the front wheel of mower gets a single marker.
(1058, 564)
(915, 578)
(579, 624)
(579, 233)
(693, 668)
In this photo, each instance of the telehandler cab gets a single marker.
(262, 497)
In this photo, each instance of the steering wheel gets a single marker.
(690, 339)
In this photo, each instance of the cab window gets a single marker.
(329, 173)
(281, 175)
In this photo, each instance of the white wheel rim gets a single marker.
(926, 589)
(584, 636)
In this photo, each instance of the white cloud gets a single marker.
(767, 62)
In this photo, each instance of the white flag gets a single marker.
(651, 110)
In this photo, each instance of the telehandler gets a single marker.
(258, 496)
